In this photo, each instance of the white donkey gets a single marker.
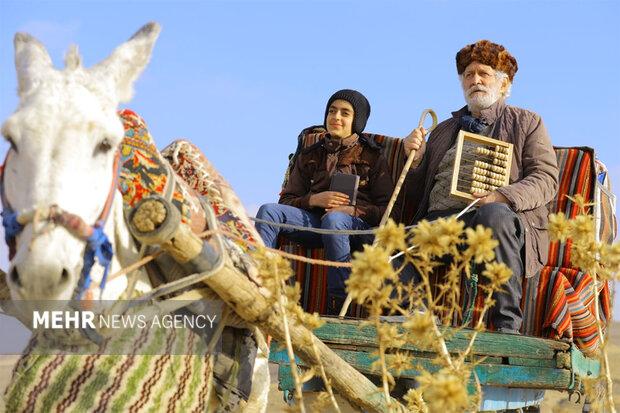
(64, 137)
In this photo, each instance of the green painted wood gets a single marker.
(484, 359)
(526, 377)
(535, 377)
(278, 355)
(584, 366)
(349, 332)
(531, 362)
(285, 377)
(488, 374)
(519, 361)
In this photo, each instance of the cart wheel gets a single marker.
(289, 397)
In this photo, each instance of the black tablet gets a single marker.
(347, 184)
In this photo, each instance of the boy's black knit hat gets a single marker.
(361, 108)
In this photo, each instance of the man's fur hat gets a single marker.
(487, 53)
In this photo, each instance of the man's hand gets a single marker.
(347, 209)
(328, 199)
(488, 197)
(415, 141)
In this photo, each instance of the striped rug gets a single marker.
(121, 381)
(561, 304)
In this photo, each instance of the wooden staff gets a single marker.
(399, 184)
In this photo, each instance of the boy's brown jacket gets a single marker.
(316, 164)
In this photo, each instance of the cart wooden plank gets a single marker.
(349, 332)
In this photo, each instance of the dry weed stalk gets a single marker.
(602, 262)
(275, 271)
(376, 285)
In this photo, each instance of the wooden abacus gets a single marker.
(481, 165)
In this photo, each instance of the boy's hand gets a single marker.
(347, 209)
(329, 199)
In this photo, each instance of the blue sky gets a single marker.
(242, 78)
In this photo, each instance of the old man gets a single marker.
(516, 213)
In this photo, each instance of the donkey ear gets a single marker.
(31, 62)
(128, 61)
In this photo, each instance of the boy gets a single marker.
(307, 201)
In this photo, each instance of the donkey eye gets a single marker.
(103, 147)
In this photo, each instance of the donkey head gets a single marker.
(64, 137)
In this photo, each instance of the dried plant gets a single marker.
(275, 272)
(375, 284)
(602, 262)
(427, 309)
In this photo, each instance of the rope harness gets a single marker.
(98, 246)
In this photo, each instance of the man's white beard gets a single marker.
(480, 101)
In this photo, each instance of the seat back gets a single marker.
(558, 302)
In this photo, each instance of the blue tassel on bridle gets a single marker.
(97, 246)
(10, 224)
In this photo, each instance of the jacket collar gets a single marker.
(335, 144)
(488, 115)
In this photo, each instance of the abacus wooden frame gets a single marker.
(486, 141)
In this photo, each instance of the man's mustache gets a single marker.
(477, 88)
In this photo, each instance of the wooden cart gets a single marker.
(514, 371)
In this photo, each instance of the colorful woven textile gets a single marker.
(145, 172)
(562, 304)
(115, 383)
(558, 302)
(195, 169)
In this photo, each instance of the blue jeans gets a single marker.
(337, 247)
